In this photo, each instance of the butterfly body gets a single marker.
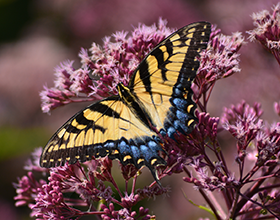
(134, 104)
(157, 98)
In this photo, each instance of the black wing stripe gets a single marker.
(144, 76)
(104, 110)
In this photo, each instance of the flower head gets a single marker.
(268, 145)
(27, 189)
(267, 30)
(219, 60)
(243, 122)
(104, 67)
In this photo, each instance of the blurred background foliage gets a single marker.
(36, 35)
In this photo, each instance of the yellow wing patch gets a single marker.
(82, 132)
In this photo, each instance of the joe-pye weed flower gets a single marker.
(247, 194)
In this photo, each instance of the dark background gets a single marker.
(36, 35)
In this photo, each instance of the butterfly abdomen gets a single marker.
(135, 105)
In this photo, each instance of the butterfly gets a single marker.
(157, 98)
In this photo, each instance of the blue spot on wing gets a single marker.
(135, 151)
(145, 148)
(181, 104)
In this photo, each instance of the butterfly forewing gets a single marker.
(104, 128)
(83, 129)
(163, 80)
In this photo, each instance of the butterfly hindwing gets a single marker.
(158, 96)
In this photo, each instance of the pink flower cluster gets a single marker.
(108, 65)
(267, 30)
(248, 191)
